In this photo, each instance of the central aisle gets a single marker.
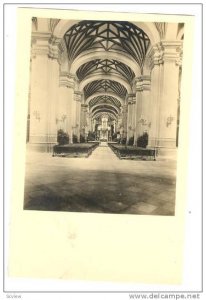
(103, 152)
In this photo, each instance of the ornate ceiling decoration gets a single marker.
(106, 110)
(103, 107)
(104, 99)
(105, 66)
(104, 86)
(110, 36)
(117, 36)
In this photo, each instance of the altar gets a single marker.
(104, 130)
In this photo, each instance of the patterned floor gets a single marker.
(100, 184)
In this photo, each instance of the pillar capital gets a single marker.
(165, 51)
(124, 108)
(54, 48)
(131, 98)
(131, 101)
(155, 55)
(39, 42)
(78, 96)
(43, 43)
(84, 107)
(172, 51)
(66, 80)
(142, 83)
(78, 93)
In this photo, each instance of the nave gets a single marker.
(103, 81)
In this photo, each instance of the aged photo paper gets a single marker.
(101, 146)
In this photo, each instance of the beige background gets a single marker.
(106, 247)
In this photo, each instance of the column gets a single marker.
(90, 121)
(156, 65)
(164, 93)
(53, 90)
(167, 131)
(114, 124)
(138, 110)
(44, 92)
(78, 100)
(124, 121)
(130, 117)
(142, 122)
(145, 117)
(62, 113)
(83, 121)
(93, 125)
(65, 107)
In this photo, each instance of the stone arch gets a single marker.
(104, 94)
(148, 28)
(151, 31)
(99, 54)
(108, 113)
(62, 26)
(113, 77)
(108, 104)
(105, 110)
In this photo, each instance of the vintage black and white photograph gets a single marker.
(103, 116)
(103, 140)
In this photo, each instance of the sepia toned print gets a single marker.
(103, 116)
(100, 156)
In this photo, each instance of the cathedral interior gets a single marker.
(103, 116)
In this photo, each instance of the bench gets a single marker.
(132, 152)
(74, 150)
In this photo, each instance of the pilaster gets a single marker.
(142, 122)
(164, 93)
(124, 120)
(44, 91)
(131, 116)
(84, 120)
(66, 105)
(78, 100)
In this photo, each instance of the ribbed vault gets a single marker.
(108, 94)
(103, 107)
(118, 36)
(106, 110)
(105, 86)
(105, 99)
(105, 66)
(106, 80)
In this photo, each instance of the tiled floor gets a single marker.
(101, 183)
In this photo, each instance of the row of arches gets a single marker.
(107, 68)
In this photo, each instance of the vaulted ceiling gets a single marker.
(105, 86)
(106, 95)
(105, 66)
